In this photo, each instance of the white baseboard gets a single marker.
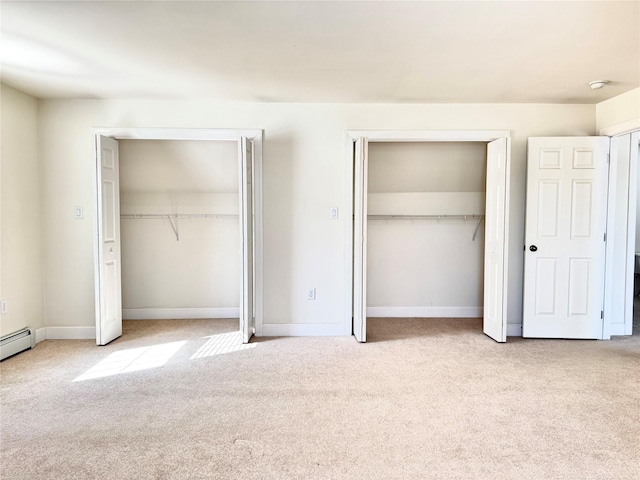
(178, 313)
(425, 312)
(514, 329)
(70, 333)
(302, 330)
(41, 334)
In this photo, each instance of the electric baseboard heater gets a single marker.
(16, 342)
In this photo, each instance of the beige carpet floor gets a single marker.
(424, 399)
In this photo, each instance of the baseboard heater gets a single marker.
(16, 342)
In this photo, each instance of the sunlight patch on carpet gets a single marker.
(132, 360)
(220, 344)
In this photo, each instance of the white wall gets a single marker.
(21, 234)
(620, 113)
(425, 267)
(305, 173)
(198, 269)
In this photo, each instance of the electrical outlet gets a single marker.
(311, 294)
(4, 307)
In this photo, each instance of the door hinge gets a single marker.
(608, 157)
(602, 314)
(605, 236)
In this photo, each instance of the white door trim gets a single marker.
(211, 134)
(623, 128)
(621, 229)
(631, 230)
(391, 136)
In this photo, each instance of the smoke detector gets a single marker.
(596, 84)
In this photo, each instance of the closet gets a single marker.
(190, 211)
(425, 240)
(179, 229)
(420, 196)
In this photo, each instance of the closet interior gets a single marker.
(425, 229)
(179, 207)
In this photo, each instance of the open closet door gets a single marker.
(108, 281)
(360, 183)
(496, 236)
(247, 314)
(566, 214)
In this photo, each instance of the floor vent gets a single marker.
(16, 342)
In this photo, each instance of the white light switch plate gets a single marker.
(333, 213)
(78, 212)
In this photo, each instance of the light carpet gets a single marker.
(423, 399)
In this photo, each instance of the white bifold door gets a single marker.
(496, 250)
(566, 215)
(360, 187)
(496, 239)
(108, 266)
(247, 288)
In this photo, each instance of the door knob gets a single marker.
(533, 248)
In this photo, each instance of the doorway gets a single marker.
(495, 263)
(425, 238)
(248, 205)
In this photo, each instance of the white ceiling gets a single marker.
(431, 51)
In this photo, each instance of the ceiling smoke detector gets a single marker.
(596, 84)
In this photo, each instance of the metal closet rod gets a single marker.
(471, 216)
(177, 215)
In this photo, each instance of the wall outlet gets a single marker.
(4, 307)
(311, 294)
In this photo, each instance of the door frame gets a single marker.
(397, 136)
(621, 233)
(205, 134)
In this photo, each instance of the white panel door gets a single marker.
(108, 284)
(360, 239)
(565, 237)
(496, 240)
(247, 313)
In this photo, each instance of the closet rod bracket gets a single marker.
(476, 230)
(175, 227)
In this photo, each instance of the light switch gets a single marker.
(78, 212)
(333, 213)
